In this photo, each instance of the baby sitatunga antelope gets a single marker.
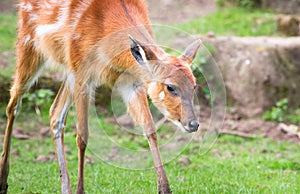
(94, 42)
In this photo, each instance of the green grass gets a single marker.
(233, 22)
(8, 25)
(234, 165)
(241, 167)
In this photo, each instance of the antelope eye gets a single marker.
(172, 89)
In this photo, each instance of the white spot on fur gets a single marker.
(161, 95)
(60, 123)
(126, 87)
(71, 81)
(34, 78)
(26, 6)
(27, 39)
(35, 44)
(43, 30)
(48, 29)
(33, 17)
(17, 106)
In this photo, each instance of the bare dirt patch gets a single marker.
(253, 127)
(8, 6)
(4, 58)
(169, 11)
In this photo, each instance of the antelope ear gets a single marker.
(141, 52)
(190, 52)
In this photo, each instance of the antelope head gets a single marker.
(172, 86)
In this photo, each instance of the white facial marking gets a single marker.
(165, 112)
(161, 95)
(151, 87)
(181, 127)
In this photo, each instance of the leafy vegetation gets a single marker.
(249, 4)
(233, 21)
(277, 112)
(39, 99)
(280, 112)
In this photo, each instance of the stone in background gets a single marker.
(258, 71)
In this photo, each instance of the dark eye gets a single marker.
(172, 89)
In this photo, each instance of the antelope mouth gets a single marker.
(182, 127)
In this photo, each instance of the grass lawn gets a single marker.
(233, 22)
(8, 25)
(233, 165)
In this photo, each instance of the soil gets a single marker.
(169, 11)
(253, 127)
(7, 6)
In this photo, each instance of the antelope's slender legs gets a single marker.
(27, 70)
(81, 97)
(139, 110)
(58, 114)
(11, 110)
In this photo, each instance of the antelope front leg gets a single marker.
(162, 180)
(58, 114)
(4, 162)
(81, 97)
(139, 110)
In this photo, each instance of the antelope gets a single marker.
(94, 42)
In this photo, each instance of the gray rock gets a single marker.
(258, 71)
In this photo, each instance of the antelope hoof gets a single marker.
(3, 188)
(164, 190)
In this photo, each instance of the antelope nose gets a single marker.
(193, 125)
